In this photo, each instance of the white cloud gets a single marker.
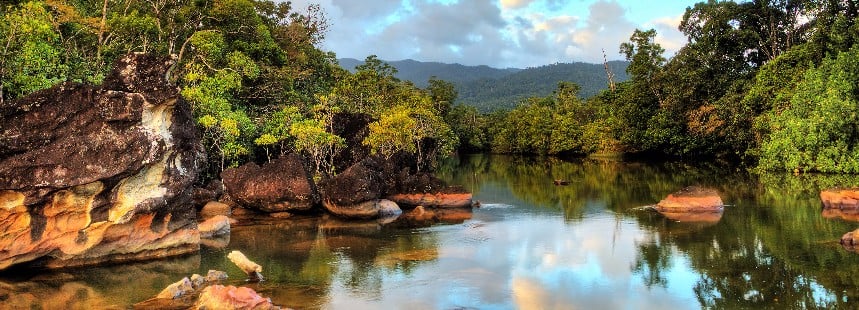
(667, 33)
(515, 4)
(499, 33)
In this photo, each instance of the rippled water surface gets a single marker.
(532, 245)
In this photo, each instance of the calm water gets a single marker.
(532, 245)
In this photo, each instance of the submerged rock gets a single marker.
(98, 174)
(850, 240)
(842, 199)
(364, 210)
(278, 186)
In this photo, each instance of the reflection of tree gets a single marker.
(771, 249)
(651, 262)
(302, 258)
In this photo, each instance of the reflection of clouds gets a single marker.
(531, 262)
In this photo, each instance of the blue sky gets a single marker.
(498, 33)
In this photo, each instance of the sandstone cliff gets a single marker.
(90, 174)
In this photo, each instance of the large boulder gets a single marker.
(281, 185)
(90, 174)
(355, 192)
(691, 199)
(363, 189)
(841, 199)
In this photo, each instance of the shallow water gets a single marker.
(532, 245)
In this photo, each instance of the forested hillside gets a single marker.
(507, 92)
(489, 89)
(419, 72)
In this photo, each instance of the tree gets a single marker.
(818, 131)
(312, 138)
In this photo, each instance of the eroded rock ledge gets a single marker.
(92, 174)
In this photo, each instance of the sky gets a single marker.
(497, 33)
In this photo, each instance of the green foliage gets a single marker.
(312, 138)
(551, 125)
(818, 131)
(30, 51)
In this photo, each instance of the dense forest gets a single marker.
(258, 84)
(768, 83)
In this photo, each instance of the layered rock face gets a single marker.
(95, 174)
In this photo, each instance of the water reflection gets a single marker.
(532, 245)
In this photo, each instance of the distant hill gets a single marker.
(490, 89)
(506, 92)
(419, 72)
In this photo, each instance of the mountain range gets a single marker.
(489, 89)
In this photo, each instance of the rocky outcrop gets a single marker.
(692, 199)
(95, 174)
(281, 185)
(841, 199)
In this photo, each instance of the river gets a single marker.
(591, 244)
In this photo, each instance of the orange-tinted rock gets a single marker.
(231, 297)
(844, 199)
(71, 239)
(437, 200)
(691, 199)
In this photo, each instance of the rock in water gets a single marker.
(252, 269)
(692, 199)
(840, 199)
(278, 186)
(178, 289)
(92, 174)
(231, 297)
